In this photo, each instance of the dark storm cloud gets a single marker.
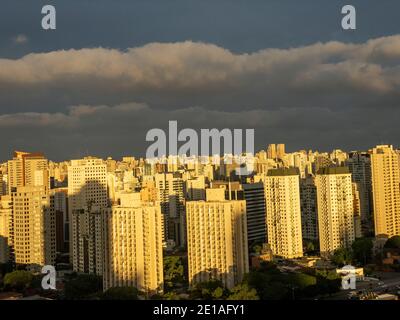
(114, 69)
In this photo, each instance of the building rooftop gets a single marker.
(283, 172)
(334, 170)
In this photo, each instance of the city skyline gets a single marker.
(200, 150)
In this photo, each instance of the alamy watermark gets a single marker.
(349, 277)
(49, 280)
(197, 148)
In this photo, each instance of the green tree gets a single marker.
(362, 250)
(121, 293)
(342, 256)
(18, 280)
(393, 243)
(84, 286)
(174, 271)
(243, 292)
(209, 290)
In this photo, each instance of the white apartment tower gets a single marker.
(33, 226)
(282, 195)
(217, 239)
(335, 209)
(27, 169)
(5, 228)
(133, 247)
(385, 167)
(87, 195)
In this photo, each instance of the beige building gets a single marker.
(282, 197)
(27, 169)
(5, 224)
(133, 246)
(217, 239)
(335, 209)
(33, 226)
(87, 195)
(385, 169)
(172, 201)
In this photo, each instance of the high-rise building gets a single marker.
(87, 195)
(27, 169)
(59, 203)
(33, 226)
(195, 188)
(271, 151)
(357, 210)
(172, 201)
(5, 228)
(256, 212)
(359, 164)
(133, 247)
(385, 167)
(335, 209)
(282, 195)
(309, 214)
(280, 151)
(217, 239)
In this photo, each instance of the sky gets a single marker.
(113, 70)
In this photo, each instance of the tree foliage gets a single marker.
(243, 292)
(84, 286)
(174, 271)
(342, 256)
(362, 250)
(18, 280)
(393, 243)
(209, 290)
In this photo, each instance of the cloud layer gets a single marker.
(103, 100)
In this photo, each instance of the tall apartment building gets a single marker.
(271, 151)
(5, 224)
(335, 209)
(27, 169)
(87, 195)
(254, 195)
(282, 195)
(133, 247)
(33, 226)
(385, 167)
(195, 188)
(217, 239)
(359, 164)
(280, 151)
(172, 201)
(309, 213)
(59, 203)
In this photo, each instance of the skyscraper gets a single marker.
(280, 151)
(359, 164)
(385, 167)
(282, 195)
(133, 247)
(309, 214)
(5, 224)
(27, 169)
(254, 195)
(33, 226)
(171, 196)
(217, 239)
(271, 151)
(87, 195)
(335, 209)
